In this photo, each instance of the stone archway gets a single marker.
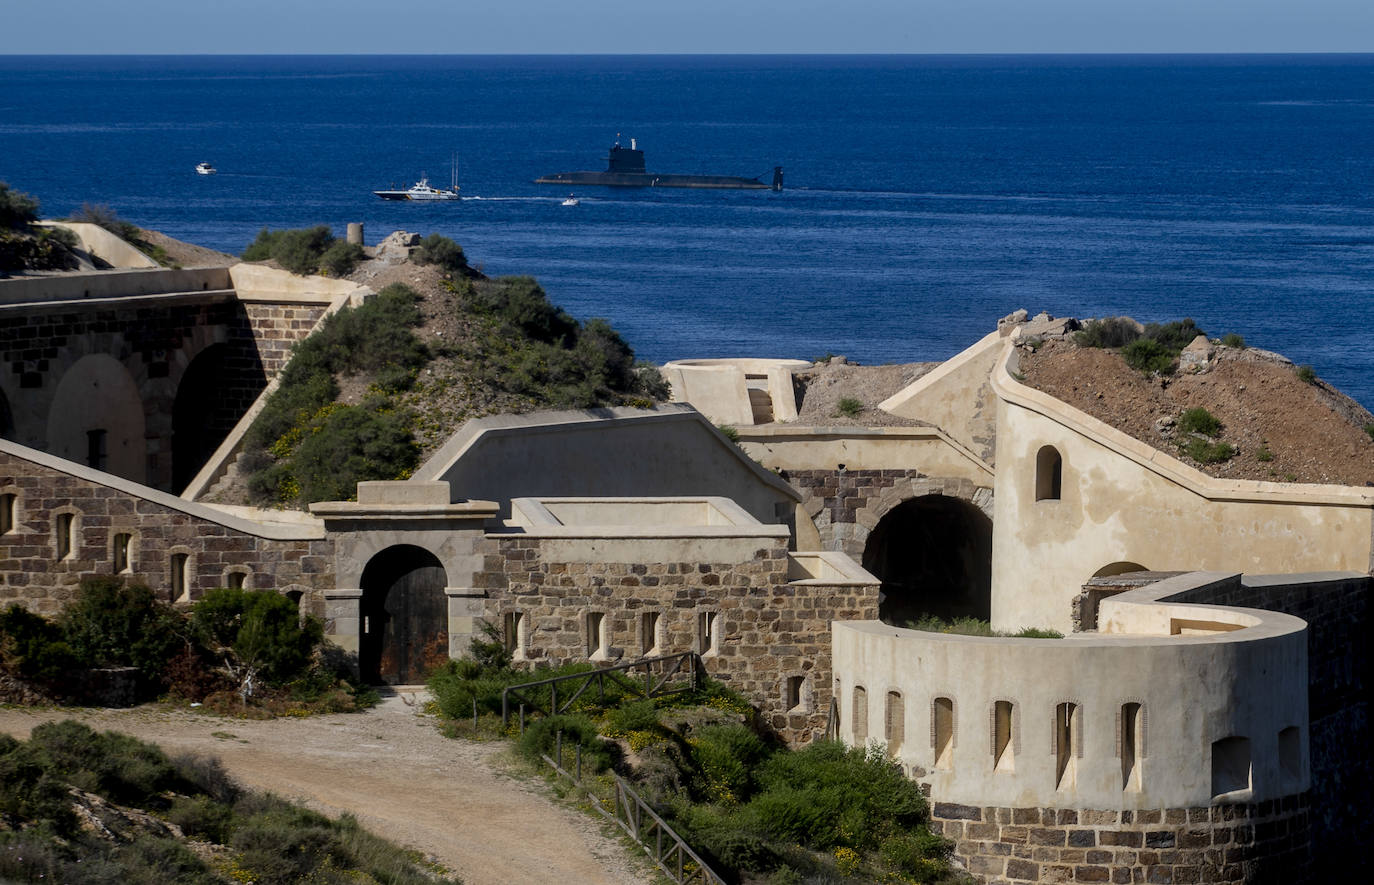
(96, 418)
(404, 616)
(934, 556)
(203, 414)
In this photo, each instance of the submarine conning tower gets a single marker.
(628, 160)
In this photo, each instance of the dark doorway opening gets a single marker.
(6, 418)
(934, 557)
(405, 616)
(204, 412)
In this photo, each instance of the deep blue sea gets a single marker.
(926, 196)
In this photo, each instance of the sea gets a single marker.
(925, 197)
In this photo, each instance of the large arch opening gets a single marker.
(934, 557)
(405, 616)
(6, 418)
(96, 418)
(203, 414)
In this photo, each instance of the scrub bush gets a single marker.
(18, 210)
(261, 629)
(1207, 452)
(1199, 420)
(1149, 356)
(339, 259)
(1232, 339)
(117, 624)
(1107, 332)
(849, 407)
(1306, 374)
(442, 252)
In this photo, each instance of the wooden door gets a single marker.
(405, 617)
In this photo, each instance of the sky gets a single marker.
(682, 26)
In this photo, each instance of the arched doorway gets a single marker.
(96, 418)
(934, 557)
(204, 412)
(6, 418)
(405, 616)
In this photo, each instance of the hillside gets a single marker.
(378, 388)
(1283, 428)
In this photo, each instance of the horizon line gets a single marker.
(701, 53)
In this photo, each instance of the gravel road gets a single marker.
(403, 780)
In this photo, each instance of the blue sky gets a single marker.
(636, 26)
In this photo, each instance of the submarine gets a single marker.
(625, 168)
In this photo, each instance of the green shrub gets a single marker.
(339, 259)
(103, 216)
(299, 250)
(726, 757)
(442, 252)
(351, 444)
(1306, 374)
(18, 210)
(1173, 336)
(1231, 339)
(728, 432)
(920, 854)
(1037, 633)
(1107, 332)
(34, 647)
(284, 845)
(1149, 356)
(28, 793)
(1199, 420)
(261, 629)
(1264, 454)
(1369, 430)
(541, 737)
(1207, 452)
(121, 768)
(116, 624)
(849, 407)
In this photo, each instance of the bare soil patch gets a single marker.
(398, 775)
(825, 384)
(187, 254)
(1311, 433)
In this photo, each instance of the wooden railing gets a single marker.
(665, 848)
(524, 696)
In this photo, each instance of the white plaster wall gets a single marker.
(955, 396)
(1194, 690)
(927, 449)
(1115, 509)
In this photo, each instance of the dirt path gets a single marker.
(403, 780)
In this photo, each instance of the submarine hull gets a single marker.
(645, 179)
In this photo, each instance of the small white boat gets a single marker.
(423, 191)
(205, 169)
(572, 201)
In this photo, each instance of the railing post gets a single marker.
(579, 762)
(559, 742)
(522, 720)
(505, 711)
(474, 712)
(553, 698)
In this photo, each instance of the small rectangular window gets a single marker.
(234, 580)
(1132, 743)
(707, 630)
(942, 731)
(1290, 756)
(122, 552)
(95, 449)
(1065, 749)
(859, 725)
(596, 623)
(180, 566)
(648, 633)
(894, 725)
(9, 512)
(66, 534)
(513, 632)
(1003, 748)
(793, 693)
(1230, 765)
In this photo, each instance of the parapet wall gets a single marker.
(760, 620)
(1178, 705)
(40, 568)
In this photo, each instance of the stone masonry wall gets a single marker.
(277, 328)
(1337, 613)
(1221, 845)
(32, 574)
(769, 629)
(847, 504)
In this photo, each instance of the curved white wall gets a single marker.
(97, 392)
(1194, 689)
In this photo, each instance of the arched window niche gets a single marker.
(1049, 474)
